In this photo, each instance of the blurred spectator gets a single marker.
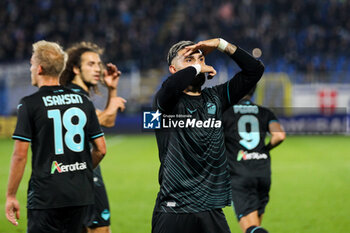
(308, 35)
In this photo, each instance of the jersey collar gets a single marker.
(77, 89)
(245, 102)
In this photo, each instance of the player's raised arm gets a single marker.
(18, 163)
(172, 88)
(243, 81)
(107, 116)
(186, 75)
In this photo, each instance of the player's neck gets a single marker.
(48, 81)
(78, 81)
(247, 97)
(193, 90)
(192, 93)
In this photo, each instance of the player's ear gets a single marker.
(172, 69)
(40, 70)
(76, 70)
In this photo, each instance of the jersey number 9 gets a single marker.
(250, 139)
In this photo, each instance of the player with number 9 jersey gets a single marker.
(246, 126)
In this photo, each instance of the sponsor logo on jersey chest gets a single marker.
(60, 168)
(250, 156)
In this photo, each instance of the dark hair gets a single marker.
(74, 59)
(176, 48)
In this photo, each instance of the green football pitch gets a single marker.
(310, 185)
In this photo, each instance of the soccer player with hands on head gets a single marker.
(193, 176)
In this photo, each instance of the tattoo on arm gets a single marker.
(230, 49)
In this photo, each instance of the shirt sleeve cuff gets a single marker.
(15, 137)
(198, 68)
(97, 136)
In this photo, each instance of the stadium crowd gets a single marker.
(308, 35)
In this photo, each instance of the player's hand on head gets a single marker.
(12, 210)
(209, 70)
(111, 76)
(206, 46)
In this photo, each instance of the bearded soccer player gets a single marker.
(193, 177)
(82, 74)
(246, 126)
(59, 124)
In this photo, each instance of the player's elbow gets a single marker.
(19, 158)
(108, 124)
(260, 69)
(102, 150)
(107, 117)
(99, 147)
(280, 136)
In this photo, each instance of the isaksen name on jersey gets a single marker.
(62, 99)
(67, 168)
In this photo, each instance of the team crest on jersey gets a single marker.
(211, 108)
(250, 156)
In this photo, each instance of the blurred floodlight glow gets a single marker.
(257, 52)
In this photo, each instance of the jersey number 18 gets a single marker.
(72, 129)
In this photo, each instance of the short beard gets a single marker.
(197, 83)
(91, 87)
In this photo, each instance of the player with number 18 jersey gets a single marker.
(59, 124)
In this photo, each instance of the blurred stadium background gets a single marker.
(304, 44)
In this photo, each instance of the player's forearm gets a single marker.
(112, 92)
(173, 87)
(179, 81)
(98, 150)
(230, 49)
(107, 117)
(247, 63)
(276, 139)
(97, 156)
(17, 167)
(245, 80)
